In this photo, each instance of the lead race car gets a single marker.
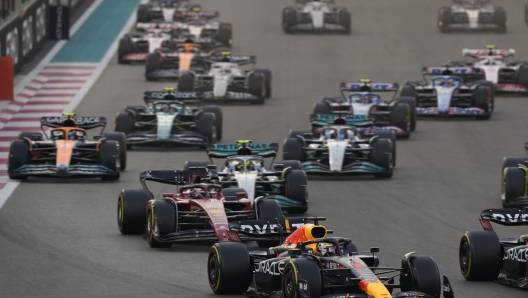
(310, 264)
(316, 15)
(171, 118)
(472, 15)
(67, 152)
(200, 211)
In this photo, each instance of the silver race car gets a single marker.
(316, 15)
(471, 15)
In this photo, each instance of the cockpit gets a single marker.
(491, 61)
(169, 108)
(68, 134)
(199, 192)
(157, 33)
(339, 133)
(364, 98)
(245, 164)
(223, 68)
(446, 81)
(188, 48)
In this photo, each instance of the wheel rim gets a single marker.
(213, 270)
(464, 258)
(120, 212)
(288, 285)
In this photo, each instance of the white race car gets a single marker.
(135, 47)
(316, 15)
(471, 15)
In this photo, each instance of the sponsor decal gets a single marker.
(135, 56)
(456, 70)
(234, 147)
(271, 267)
(519, 254)
(78, 120)
(266, 228)
(510, 218)
(303, 286)
(233, 236)
(12, 45)
(375, 86)
(179, 95)
(512, 87)
(27, 35)
(40, 22)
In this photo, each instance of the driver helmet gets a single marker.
(250, 166)
(330, 134)
(58, 135)
(450, 82)
(367, 98)
(170, 109)
(198, 192)
(169, 3)
(346, 134)
(326, 249)
(76, 135)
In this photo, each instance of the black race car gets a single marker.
(514, 181)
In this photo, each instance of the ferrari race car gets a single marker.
(170, 118)
(447, 95)
(495, 66)
(226, 80)
(471, 15)
(316, 15)
(341, 149)
(163, 10)
(200, 211)
(485, 257)
(67, 152)
(245, 168)
(514, 181)
(310, 264)
(397, 115)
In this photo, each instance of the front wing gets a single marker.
(355, 168)
(231, 96)
(76, 170)
(453, 111)
(144, 138)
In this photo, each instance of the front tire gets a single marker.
(400, 117)
(229, 268)
(381, 153)
(206, 126)
(18, 156)
(480, 256)
(120, 138)
(131, 211)
(109, 157)
(303, 269)
(295, 188)
(161, 220)
(292, 150)
(482, 101)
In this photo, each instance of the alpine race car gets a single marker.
(485, 257)
(496, 66)
(514, 181)
(245, 168)
(170, 118)
(471, 15)
(310, 264)
(67, 152)
(397, 115)
(341, 150)
(200, 211)
(227, 81)
(447, 95)
(316, 15)
(163, 10)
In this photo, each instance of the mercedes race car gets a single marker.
(515, 181)
(310, 264)
(170, 118)
(226, 80)
(245, 168)
(163, 10)
(496, 66)
(67, 151)
(200, 211)
(316, 15)
(471, 15)
(447, 95)
(485, 257)
(359, 98)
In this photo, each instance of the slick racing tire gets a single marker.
(302, 270)
(508, 162)
(267, 77)
(206, 126)
(268, 209)
(120, 138)
(523, 75)
(152, 64)
(289, 19)
(219, 119)
(492, 90)
(295, 188)
(513, 185)
(292, 150)
(482, 100)
(407, 91)
(412, 108)
(257, 87)
(161, 220)
(229, 268)
(381, 153)
(109, 157)
(131, 211)
(142, 14)
(345, 20)
(135, 109)
(321, 108)
(479, 255)
(186, 82)
(292, 164)
(195, 163)
(499, 17)
(444, 18)
(400, 117)
(386, 134)
(124, 123)
(230, 194)
(125, 47)
(33, 136)
(18, 156)
(422, 275)
(225, 34)
(297, 132)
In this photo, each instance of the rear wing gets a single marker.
(167, 27)
(177, 177)
(149, 96)
(203, 14)
(368, 86)
(326, 119)
(478, 53)
(238, 59)
(223, 150)
(505, 217)
(438, 70)
(80, 122)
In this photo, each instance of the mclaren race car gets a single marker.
(226, 80)
(310, 264)
(485, 257)
(515, 181)
(245, 168)
(67, 151)
(316, 15)
(447, 95)
(200, 211)
(170, 118)
(471, 15)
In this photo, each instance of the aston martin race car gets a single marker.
(496, 66)
(228, 81)
(359, 98)
(200, 211)
(316, 15)
(245, 168)
(170, 118)
(310, 264)
(485, 257)
(514, 181)
(67, 151)
(163, 10)
(471, 15)
(447, 95)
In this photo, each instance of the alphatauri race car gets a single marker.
(67, 152)
(447, 95)
(170, 118)
(515, 181)
(200, 211)
(485, 257)
(310, 264)
(471, 15)
(245, 168)
(316, 15)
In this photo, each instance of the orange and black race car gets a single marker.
(68, 152)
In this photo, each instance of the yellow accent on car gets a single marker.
(226, 53)
(365, 81)
(490, 47)
(243, 142)
(219, 271)
(70, 114)
(168, 89)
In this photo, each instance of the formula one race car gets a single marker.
(245, 168)
(310, 264)
(514, 181)
(171, 118)
(227, 81)
(447, 95)
(485, 257)
(200, 211)
(135, 47)
(163, 10)
(316, 15)
(67, 152)
(471, 15)
(341, 149)
(496, 66)
(397, 115)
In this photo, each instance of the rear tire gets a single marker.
(482, 101)
(256, 87)
(161, 218)
(381, 153)
(295, 188)
(479, 256)
(120, 138)
(18, 156)
(499, 17)
(219, 119)
(513, 185)
(400, 118)
(292, 150)
(206, 126)
(225, 34)
(523, 75)
(345, 20)
(186, 82)
(125, 47)
(268, 209)
(109, 157)
(229, 268)
(142, 14)
(132, 211)
(321, 108)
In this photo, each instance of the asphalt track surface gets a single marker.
(59, 238)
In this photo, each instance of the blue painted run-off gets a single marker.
(91, 42)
